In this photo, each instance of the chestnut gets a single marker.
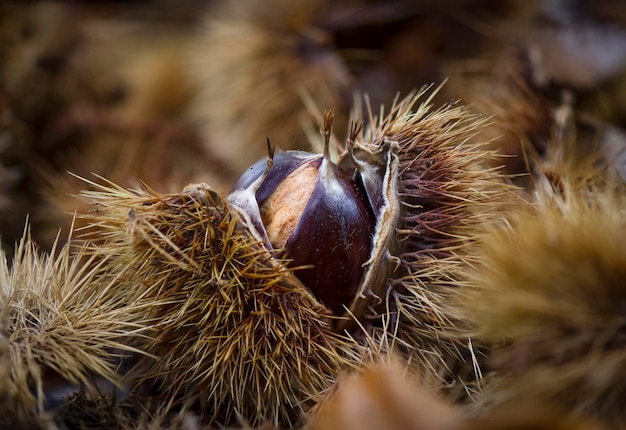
(312, 267)
(323, 214)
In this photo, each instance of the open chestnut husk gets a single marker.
(319, 212)
(310, 268)
(351, 226)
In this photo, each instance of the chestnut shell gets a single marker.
(332, 239)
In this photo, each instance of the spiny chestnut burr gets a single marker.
(549, 296)
(59, 332)
(242, 329)
(318, 212)
(236, 333)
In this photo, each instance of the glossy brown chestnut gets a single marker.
(319, 214)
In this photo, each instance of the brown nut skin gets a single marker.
(321, 217)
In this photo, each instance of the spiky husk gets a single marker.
(548, 297)
(237, 333)
(445, 193)
(59, 332)
(252, 64)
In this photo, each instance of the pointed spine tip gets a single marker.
(326, 130)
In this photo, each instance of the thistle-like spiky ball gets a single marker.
(237, 333)
(548, 296)
(260, 304)
(57, 331)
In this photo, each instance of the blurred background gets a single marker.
(166, 93)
